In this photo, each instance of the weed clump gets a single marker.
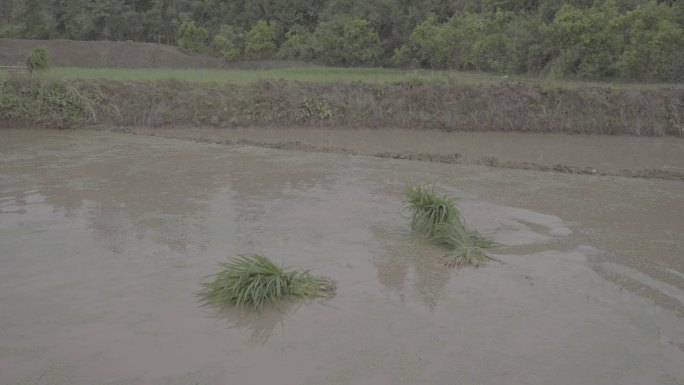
(437, 217)
(252, 281)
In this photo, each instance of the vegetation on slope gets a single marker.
(450, 105)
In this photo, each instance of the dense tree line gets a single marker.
(630, 39)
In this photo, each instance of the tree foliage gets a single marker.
(347, 42)
(297, 44)
(360, 43)
(628, 39)
(228, 42)
(260, 41)
(192, 37)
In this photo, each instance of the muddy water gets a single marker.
(605, 154)
(104, 239)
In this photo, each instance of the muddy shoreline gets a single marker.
(668, 153)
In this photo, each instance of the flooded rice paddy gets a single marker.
(105, 238)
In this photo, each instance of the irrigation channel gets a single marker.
(106, 237)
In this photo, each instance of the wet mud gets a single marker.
(628, 156)
(105, 239)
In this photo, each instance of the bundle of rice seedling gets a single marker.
(429, 209)
(252, 281)
(467, 246)
(437, 217)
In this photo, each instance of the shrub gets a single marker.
(327, 42)
(652, 46)
(297, 45)
(46, 104)
(228, 42)
(347, 42)
(585, 46)
(314, 109)
(428, 46)
(37, 61)
(260, 41)
(252, 281)
(193, 37)
(361, 43)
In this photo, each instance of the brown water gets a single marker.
(105, 238)
(610, 154)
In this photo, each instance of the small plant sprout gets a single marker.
(253, 281)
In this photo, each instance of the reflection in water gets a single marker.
(164, 197)
(260, 326)
(259, 177)
(405, 257)
(259, 186)
(124, 198)
(400, 254)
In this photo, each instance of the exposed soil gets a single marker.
(106, 237)
(659, 158)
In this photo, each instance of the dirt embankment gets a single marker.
(448, 106)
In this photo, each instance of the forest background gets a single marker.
(636, 40)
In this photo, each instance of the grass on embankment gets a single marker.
(313, 74)
(320, 74)
(412, 104)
